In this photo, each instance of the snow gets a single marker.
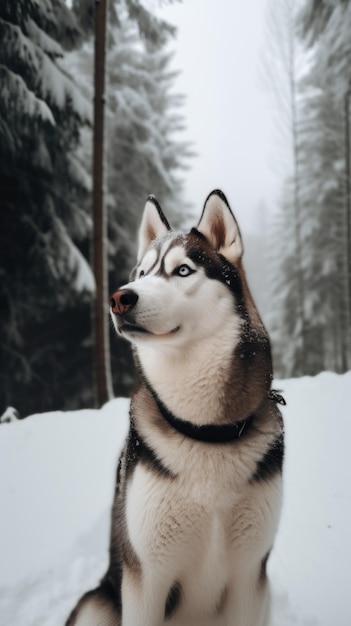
(79, 173)
(52, 80)
(311, 567)
(42, 40)
(10, 415)
(73, 261)
(58, 473)
(84, 279)
(14, 92)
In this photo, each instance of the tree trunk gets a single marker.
(296, 197)
(347, 343)
(102, 368)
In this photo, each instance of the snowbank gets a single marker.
(58, 474)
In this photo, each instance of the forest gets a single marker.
(310, 52)
(47, 287)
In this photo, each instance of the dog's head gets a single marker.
(185, 286)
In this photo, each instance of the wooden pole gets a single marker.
(102, 368)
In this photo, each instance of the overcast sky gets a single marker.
(228, 112)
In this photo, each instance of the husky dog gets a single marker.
(198, 489)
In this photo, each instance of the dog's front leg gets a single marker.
(144, 599)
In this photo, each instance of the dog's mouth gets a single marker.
(135, 329)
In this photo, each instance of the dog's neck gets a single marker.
(207, 433)
(192, 381)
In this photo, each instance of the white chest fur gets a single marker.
(209, 537)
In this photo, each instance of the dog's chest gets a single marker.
(178, 537)
(195, 530)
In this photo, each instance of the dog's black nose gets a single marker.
(123, 300)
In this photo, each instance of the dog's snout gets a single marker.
(123, 300)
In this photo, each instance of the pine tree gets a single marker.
(44, 275)
(322, 183)
(143, 157)
(325, 30)
(287, 321)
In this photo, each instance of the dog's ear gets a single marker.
(219, 226)
(153, 225)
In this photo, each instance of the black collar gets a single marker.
(208, 433)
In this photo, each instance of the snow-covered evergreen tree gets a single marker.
(325, 178)
(143, 155)
(286, 321)
(310, 325)
(44, 275)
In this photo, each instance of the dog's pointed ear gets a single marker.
(220, 228)
(154, 224)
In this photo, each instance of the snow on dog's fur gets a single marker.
(199, 481)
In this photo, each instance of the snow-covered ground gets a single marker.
(57, 478)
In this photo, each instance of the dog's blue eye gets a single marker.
(184, 270)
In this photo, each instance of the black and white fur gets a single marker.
(198, 488)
